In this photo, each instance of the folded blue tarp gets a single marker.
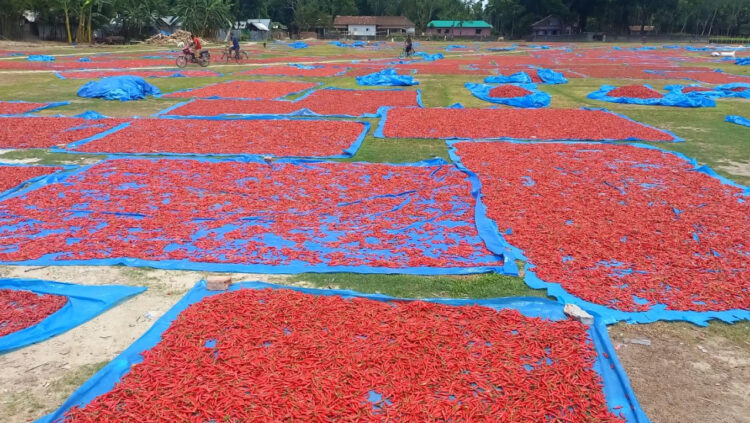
(298, 44)
(387, 77)
(84, 303)
(40, 58)
(429, 57)
(742, 61)
(671, 99)
(84, 59)
(516, 78)
(548, 76)
(123, 88)
(739, 120)
(455, 47)
(534, 100)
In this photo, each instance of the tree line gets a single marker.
(509, 18)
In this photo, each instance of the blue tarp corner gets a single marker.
(84, 303)
(90, 115)
(123, 88)
(387, 77)
(739, 120)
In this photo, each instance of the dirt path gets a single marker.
(687, 373)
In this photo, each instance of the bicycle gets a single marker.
(238, 56)
(406, 54)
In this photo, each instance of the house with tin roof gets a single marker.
(459, 29)
(372, 26)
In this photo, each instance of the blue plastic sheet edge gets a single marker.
(616, 386)
(84, 303)
(176, 74)
(535, 100)
(508, 267)
(609, 315)
(346, 153)
(381, 125)
(10, 191)
(239, 98)
(739, 120)
(671, 99)
(48, 106)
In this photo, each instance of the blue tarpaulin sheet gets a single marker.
(84, 303)
(618, 393)
(24, 183)
(387, 77)
(123, 88)
(733, 90)
(671, 99)
(429, 57)
(298, 44)
(548, 76)
(84, 59)
(354, 44)
(608, 315)
(516, 78)
(439, 231)
(455, 47)
(534, 100)
(40, 58)
(742, 61)
(739, 120)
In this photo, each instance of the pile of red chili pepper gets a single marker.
(14, 108)
(261, 90)
(618, 225)
(13, 176)
(322, 102)
(542, 124)
(46, 132)
(280, 214)
(509, 91)
(318, 71)
(635, 91)
(21, 309)
(281, 355)
(278, 137)
(141, 73)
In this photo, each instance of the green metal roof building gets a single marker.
(466, 29)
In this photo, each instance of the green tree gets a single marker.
(204, 16)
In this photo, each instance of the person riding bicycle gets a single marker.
(196, 45)
(408, 46)
(234, 49)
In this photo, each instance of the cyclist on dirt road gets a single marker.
(408, 46)
(235, 48)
